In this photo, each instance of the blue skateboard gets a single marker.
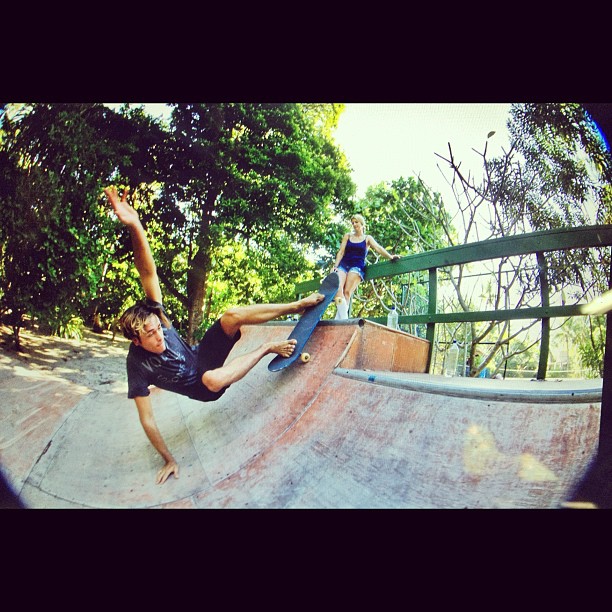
(307, 323)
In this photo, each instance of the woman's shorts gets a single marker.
(353, 269)
(212, 352)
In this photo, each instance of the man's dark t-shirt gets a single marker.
(180, 367)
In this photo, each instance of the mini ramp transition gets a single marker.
(358, 426)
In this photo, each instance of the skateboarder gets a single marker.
(159, 356)
(350, 262)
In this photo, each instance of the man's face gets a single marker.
(151, 337)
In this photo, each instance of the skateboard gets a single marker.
(306, 325)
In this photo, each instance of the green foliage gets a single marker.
(571, 168)
(234, 196)
(568, 160)
(249, 275)
(55, 235)
(592, 345)
(264, 176)
(404, 216)
(56, 322)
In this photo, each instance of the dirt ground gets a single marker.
(96, 361)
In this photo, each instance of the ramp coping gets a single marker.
(470, 389)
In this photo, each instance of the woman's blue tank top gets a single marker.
(354, 254)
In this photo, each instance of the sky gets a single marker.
(386, 141)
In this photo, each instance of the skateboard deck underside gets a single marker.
(307, 323)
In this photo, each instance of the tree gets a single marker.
(264, 176)
(563, 144)
(55, 231)
(221, 183)
(555, 174)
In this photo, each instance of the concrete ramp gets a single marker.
(358, 426)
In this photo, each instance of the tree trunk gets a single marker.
(16, 338)
(196, 292)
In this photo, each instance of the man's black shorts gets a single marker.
(213, 350)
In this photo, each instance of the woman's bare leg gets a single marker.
(352, 280)
(342, 277)
(341, 304)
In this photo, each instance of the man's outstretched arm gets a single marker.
(147, 420)
(143, 258)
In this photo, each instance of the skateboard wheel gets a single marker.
(304, 357)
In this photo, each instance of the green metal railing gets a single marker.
(538, 243)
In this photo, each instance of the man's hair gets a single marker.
(134, 319)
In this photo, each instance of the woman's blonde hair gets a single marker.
(360, 219)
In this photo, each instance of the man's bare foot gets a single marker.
(308, 302)
(284, 348)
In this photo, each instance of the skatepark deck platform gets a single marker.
(360, 425)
